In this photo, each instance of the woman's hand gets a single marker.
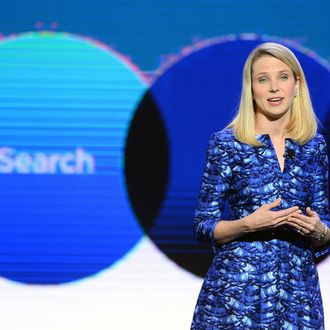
(264, 218)
(308, 225)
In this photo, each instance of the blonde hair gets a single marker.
(303, 122)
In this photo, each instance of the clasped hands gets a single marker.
(308, 225)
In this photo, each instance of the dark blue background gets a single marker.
(148, 30)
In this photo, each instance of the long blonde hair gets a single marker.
(303, 122)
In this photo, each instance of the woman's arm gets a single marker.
(315, 223)
(213, 190)
(262, 219)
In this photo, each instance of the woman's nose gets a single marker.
(273, 87)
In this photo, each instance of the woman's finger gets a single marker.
(298, 223)
(297, 227)
(287, 212)
(275, 203)
(281, 221)
(299, 216)
(310, 212)
(300, 229)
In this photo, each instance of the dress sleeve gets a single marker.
(213, 191)
(320, 195)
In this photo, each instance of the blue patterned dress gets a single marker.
(268, 279)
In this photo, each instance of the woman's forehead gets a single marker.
(269, 64)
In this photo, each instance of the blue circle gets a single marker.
(197, 94)
(65, 107)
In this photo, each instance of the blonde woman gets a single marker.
(271, 165)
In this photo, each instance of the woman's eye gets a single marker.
(262, 79)
(284, 77)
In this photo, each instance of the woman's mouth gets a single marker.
(275, 100)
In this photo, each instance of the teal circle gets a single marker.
(66, 103)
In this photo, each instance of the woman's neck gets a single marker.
(276, 129)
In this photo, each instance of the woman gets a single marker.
(271, 165)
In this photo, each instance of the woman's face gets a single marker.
(273, 87)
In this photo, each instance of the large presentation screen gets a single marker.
(101, 158)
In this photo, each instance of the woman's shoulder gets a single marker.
(318, 137)
(317, 142)
(315, 147)
(224, 136)
(227, 139)
(225, 143)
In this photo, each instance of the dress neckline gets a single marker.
(258, 136)
(265, 138)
